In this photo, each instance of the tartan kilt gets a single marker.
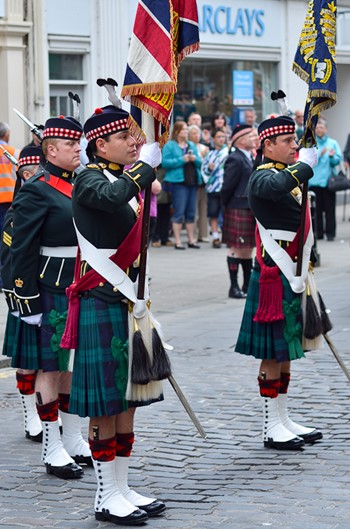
(9, 336)
(24, 345)
(55, 309)
(38, 347)
(100, 371)
(266, 341)
(238, 229)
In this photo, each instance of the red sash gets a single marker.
(126, 254)
(63, 186)
(270, 282)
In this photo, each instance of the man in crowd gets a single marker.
(299, 123)
(7, 174)
(239, 222)
(250, 117)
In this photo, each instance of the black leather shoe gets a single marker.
(313, 436)
(154, 508)
(36, 438)
(135, 518)
(236, 293)
(294, 444)
(193, 245)
(83, 460)
(70, 471)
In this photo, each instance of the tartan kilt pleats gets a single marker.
(238, 229)
(38, 347)
(100, 368)
(270, 341)
(9, 336)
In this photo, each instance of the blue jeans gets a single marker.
(184, 203)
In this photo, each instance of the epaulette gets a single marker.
(37, 175)
(93, 166)
(271, 165)
(114, 166)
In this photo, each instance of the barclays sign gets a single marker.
(240, 22)
(227, 20)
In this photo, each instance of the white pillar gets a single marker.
(13, 29)
(109, 45)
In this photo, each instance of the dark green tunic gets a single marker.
(104, 217)
(11, 322)
(43, 219)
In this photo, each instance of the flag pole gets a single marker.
(152, 100)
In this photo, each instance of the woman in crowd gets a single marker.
(194, 134)
(182, 163)
(219, 121)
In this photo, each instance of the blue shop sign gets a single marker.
(243, 87)
(231, 21)
(241, 22)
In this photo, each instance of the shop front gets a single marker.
(237, 66)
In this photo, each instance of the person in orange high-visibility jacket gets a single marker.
(7, 175)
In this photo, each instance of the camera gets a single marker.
(190, 151)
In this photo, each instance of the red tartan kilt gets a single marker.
(238, 229)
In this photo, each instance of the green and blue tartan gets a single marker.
(55, 309)
(9, 336)
(276, 340)
(25, 346)
(38, 347)
(100, 371)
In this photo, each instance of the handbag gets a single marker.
(190, 174)
(164, 197)
(338, 182)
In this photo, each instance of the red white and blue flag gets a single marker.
(165, 31)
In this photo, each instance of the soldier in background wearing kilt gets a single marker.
(239, 223)
(271, 328)
(43, 254)
(28, 164)
(106, 209)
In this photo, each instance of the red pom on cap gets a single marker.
(61, 117)
(98, 111)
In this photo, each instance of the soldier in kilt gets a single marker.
(106, 212)
(28, 164)
(271, 328)
(43, 253)
(239, 224)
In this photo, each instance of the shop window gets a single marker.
(207, 86)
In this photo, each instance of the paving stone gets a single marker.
(229, 480)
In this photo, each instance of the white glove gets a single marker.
(139, 308)
(151, 153)
(15, 313)
(35, 319)
(308, 156)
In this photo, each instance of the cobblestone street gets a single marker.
(228, 480)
